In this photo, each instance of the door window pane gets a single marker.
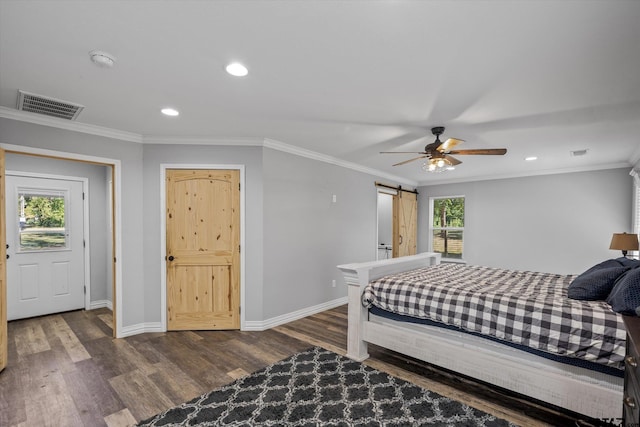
(42, 221)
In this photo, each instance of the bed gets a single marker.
(596, 393)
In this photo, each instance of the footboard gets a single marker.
(358, 275)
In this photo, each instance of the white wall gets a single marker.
(554, 223)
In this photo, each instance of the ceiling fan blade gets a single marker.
(410, 160)
(452, 161)
(449, 144)
(402, 152)
(484, 151)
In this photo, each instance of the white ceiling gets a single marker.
(347, 78)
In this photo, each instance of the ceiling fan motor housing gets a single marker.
(438, 130)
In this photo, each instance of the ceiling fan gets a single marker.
(440, 153)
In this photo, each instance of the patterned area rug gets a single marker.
(320, 388)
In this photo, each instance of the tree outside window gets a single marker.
(447, 226)
(42, 222)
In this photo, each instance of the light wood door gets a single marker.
(4, 349)
(405, 223)
(203, 249)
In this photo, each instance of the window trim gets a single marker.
(432, 228)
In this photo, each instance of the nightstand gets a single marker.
(631, 399)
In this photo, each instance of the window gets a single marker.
(447, 226)
(41, 219)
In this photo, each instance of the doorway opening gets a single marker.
(112, 183)
(397, 221)
(385, 223)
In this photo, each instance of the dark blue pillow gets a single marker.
(593, 285)
(625, 295)
(605, 264)
(628, 262)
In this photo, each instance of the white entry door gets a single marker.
(45, 246)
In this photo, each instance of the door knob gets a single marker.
(171, 258)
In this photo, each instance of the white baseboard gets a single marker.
(103, 303)
(262, 325)
(141, 328)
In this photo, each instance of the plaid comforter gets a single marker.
(522, 307)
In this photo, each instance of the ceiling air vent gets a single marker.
(578, 153)
(48, 106)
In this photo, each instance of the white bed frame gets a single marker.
(594, 394)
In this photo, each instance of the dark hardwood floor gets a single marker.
(66, 370)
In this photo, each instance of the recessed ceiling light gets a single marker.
(237, 69)
(531, 158)
(102, 58)
(170, 112)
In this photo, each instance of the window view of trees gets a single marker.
(42, 222)
(448, 226)
(45, 211)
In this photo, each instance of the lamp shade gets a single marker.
(624, 242)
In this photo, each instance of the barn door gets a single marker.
(4, 349)
(203, 248)
(405, 223)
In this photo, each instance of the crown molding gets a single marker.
(281, 146)
(23, 116)
(176, 140)
(39, 119)
(635, 157)
(526, 174)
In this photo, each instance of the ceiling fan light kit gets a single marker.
(433, 165)
(438, 164)
(438, 153)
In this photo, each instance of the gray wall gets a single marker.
(130, 156)
(306, 235)
(555, 223)
(99, 237)
(295, 235)
(251, 158)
